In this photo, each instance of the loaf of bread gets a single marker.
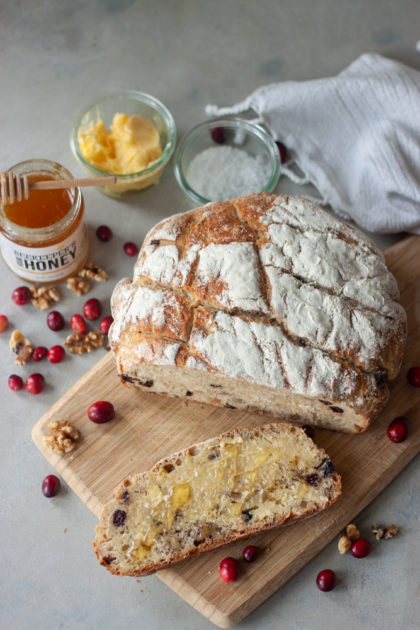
(265, 303)
(213, 493)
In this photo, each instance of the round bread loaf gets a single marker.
(265, 303)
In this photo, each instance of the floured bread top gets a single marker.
(266, 288)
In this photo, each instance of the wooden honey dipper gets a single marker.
(16, 187)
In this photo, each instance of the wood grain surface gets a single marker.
(148, 427)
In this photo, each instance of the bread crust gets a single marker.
(135, 481)
(265, 290)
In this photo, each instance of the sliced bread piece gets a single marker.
(213, 493)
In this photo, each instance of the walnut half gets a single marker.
(93, 272)
(78, 285)
(80, 344)
(44, 297)
(62, 437)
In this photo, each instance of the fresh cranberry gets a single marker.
(282, 151)
(360, 548)
(50, 486)
(104, 233)
(131, 249)
(21, 296)
(310, 432)
(101, 411)
(326, 580)
(229, 569)
(39, 353)
(78, 324)
(56, 354)
(250, 553)
(218, 134)
(15, 382)
(413, 376)
(105, 324)
(55, 320)
(35, 383)
(3, 323)
(398, 429)
(92, 309)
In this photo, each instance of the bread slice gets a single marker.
(263, 303)
(213, 493)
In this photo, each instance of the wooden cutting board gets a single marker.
(149, 427)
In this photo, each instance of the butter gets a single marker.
(131, 144)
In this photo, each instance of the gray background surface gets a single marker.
(56, 56)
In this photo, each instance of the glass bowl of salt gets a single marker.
(226, 158)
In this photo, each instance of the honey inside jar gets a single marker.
(42, 208)
(44, 238)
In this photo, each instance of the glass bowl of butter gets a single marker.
(128, 134)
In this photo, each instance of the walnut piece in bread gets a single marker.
(265, 303)
(212, 493)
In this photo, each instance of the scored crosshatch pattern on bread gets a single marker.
(264, 290)
(212, 493)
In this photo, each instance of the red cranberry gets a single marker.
(55, 320)
(3, 323)
(398, 429)
(21, 296)
(50, 486)
(413, 376)
(15, 382)
(104, 233)
(282, 151)
(250, 553)
(56, 354)
(39, 353)
(131, 249)
(92, 309)
(360, 548)
(218, 134)
(35, 383)
(105, 324)
(78, 324)
(229, 569)
(326, 580)
(101, 411)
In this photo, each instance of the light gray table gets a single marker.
(55, 56)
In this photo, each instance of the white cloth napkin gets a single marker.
(356, 138)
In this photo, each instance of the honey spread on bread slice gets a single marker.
(212, 493)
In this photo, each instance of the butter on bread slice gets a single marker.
(213, 493)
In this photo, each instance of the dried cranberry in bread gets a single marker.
(265, 303)
(212, 493)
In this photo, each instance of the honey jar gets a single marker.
(44, 239)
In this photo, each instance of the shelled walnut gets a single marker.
(78, 285)
(80, 344)
(44, 297)
(382, 532)
(93, 272)
(62, 437)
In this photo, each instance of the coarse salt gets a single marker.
(221, 173)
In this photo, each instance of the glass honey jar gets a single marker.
(44, 239)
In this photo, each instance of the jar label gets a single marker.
(46, 264)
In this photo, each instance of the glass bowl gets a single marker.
(224, 173)
(127, 102)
